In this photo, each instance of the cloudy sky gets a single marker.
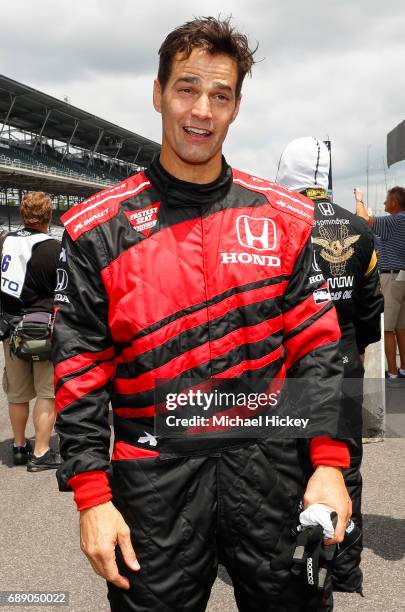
(327, 68)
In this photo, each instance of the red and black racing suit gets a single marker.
(168, 279)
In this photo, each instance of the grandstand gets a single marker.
(49, 145)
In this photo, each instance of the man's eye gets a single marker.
(221, 97)
(186, 90)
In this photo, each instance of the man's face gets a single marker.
(390, 204)
(197, 105)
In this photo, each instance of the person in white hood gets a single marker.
(304, 164)
(344, 255)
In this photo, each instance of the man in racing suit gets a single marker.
(193, 270)
(345, 257)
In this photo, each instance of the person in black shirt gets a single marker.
(29, 261)
(345, 257)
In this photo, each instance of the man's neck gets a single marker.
(200, 174)
(38, 228)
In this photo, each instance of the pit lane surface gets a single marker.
(40, 538)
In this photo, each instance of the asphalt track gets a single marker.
(40, 540)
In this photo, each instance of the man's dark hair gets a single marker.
(214, 36)
(399, 194)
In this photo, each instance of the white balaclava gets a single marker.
(303, 164)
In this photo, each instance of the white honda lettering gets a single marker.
(259, 259)
(61, 297)
(245, 257)
(249, 258)
(315, 279)
(229, 258)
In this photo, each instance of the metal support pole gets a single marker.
(137, 154)
(385, 174)
(101, 134)
(328, 143)
(120, 145)
(71, 138)
(13, 99)
(368, 160)
(38, 138)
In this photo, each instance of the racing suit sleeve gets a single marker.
(370, 305)
(83, 356)
(311, 339)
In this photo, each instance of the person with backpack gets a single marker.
(29, 262)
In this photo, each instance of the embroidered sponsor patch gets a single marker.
(88, 223)
(145, 219)
(336, 246)
(321, 296)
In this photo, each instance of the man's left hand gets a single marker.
(327, 486)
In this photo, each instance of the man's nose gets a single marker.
(202, 107)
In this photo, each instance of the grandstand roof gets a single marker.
(29, 180)
(29, 110)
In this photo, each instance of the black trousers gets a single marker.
(346, 571)
(237, 507)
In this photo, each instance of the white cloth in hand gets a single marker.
(318, 514)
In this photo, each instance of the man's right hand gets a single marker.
(101, 529)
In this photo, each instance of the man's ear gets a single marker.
(157, 96)
(236, 110)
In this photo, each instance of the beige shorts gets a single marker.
(24, 380)
(394, 301)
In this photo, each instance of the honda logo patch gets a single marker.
(61, 279)
(315, 265)
(257, 233)
(326, 209)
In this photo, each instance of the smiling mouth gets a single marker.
(197, 132)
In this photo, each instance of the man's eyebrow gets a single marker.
(188, 79)
(218, 85)
(196, 80)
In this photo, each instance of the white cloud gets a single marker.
(328, 68)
